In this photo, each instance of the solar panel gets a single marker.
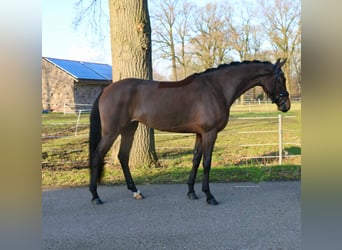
(84, 70)
(104, 70)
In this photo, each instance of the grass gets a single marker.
(64, 156)
(113, 175)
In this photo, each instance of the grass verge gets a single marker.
(168, 175)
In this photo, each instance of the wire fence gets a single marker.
(76, 108)
(275, 125)
(250, 135)
(280, 143)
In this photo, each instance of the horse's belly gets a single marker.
(165, 120)
(171, 110)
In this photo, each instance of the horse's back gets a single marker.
(187, 108)
(126, 89)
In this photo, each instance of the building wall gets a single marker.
(59, 88)
(86, 93)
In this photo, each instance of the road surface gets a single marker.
(262, 215)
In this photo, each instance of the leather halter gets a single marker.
(282, 94)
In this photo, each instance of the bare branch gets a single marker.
(92, 14)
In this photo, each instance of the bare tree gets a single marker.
(164, 32)
(92, 13)
(282, 22)
(171, 20)
(183, 28)
(211, 43)
(245, 37)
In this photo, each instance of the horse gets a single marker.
(198, 104)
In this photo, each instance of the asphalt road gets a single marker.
(249, 216)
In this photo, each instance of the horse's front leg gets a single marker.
(208, 141)
(195, 163)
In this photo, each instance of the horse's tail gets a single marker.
(95, 137)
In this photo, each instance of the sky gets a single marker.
(61, 40)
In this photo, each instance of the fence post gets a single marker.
(280, 134)
(78, 121)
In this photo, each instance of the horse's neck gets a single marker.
(241, 83)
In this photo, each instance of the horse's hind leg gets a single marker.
(97, 164)
(127, 136)
(195, 163)
(95, 171)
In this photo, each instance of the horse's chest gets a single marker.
(213, 120)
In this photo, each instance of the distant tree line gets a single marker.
(193, 38)
(190, 37)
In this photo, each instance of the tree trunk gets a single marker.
(131, 57)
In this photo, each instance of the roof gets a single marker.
(83, 70)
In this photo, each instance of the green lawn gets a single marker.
(64, 155)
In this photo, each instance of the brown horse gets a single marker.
(198, 104)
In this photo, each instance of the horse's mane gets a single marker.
(225, 65)
(189, 79)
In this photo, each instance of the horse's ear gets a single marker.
(280, 64)
(283, 62)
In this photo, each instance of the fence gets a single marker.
(280, 142)
(81, 120)
(257, 106)
(246, 106)
(76, 108)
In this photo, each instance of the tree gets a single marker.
(245, 36)
(165, 40)
(94, 14)
(282, 22)
(171, 20)
(130, 33)
(211, 43)
(132, 57)
(245, 39)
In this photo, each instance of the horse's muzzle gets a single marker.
(285, 106)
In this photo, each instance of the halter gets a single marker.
(282, 94)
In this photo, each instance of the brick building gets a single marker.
(70, 84)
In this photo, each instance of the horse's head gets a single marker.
(275, 87)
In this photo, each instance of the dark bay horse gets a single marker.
(198, 104)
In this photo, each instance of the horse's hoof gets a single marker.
(138, 196)
(97, 201)
(192, 196)
(212, 201)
